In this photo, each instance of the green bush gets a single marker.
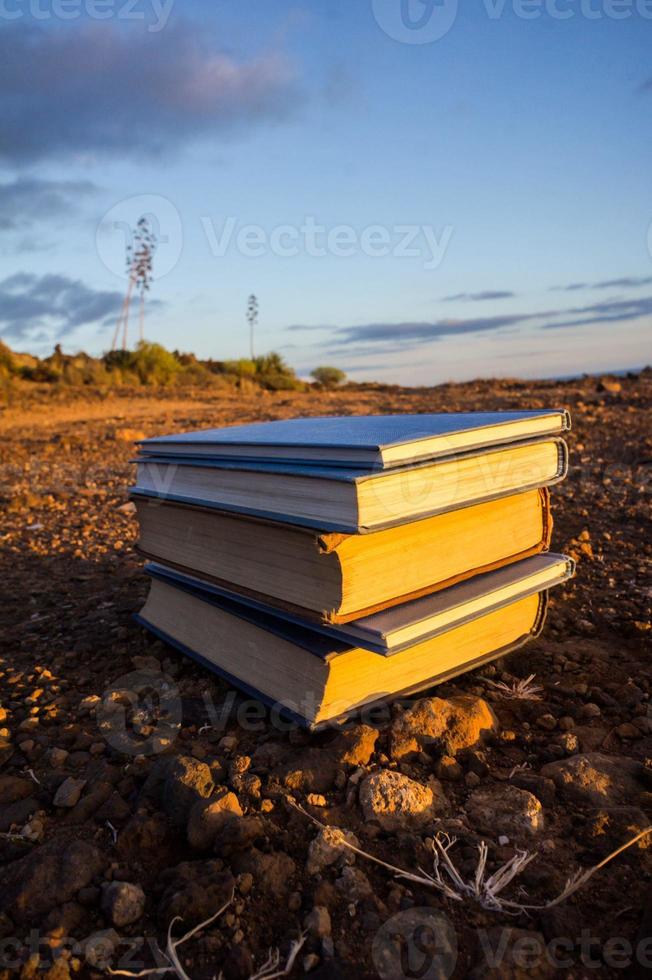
(330, 377)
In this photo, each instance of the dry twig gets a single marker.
(485, 891)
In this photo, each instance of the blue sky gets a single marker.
(411, 207)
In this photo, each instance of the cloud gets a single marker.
(26, 200)
(478, 297)
(646, 86)
(31, 305)
(626, 282)
(96, 89)
(395, 337)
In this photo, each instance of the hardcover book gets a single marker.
(350, 500)
(318, 678)
(334, 578)
(372, 442)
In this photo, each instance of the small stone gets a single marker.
(309, 962)
(472, 780)
(547, 722)
(455, 724)
(186, 782)
(328, 848)
(318, 922)
(316, 799)
(88, 704)
(590, 710)
(505, 809)
(356, 746)
(208, 818)
(448, 768)
(566, 723)
(69, 792)
(628, 731)
(569, 742)
(397, 802)
(596, 779)
(245, 883)
(123, 902)
(57, 757)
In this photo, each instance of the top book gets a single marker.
(375, 442)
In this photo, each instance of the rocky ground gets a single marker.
(103, 844)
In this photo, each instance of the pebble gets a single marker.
(69, 792)
(123, 902)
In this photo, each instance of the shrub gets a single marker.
(330, 377)
(154, 364)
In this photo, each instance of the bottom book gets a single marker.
(317, 679)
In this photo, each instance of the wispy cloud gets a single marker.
(36, 307)
(92, 89)
(478, 297)
(626, 282)
(378, 337)
(27, 200)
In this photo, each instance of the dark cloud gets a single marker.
(55, 305)
(478, 297)
(394, 337)
(424, 332)
(26, 200)
(96, 89)
(610, 312)
(626, 282)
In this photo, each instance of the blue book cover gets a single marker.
(374, 442)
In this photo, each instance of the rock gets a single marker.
(596, 779)
(69, 792)
(590, 710)
(312, 771)
(504, 809)
(13, 788)
(453, 725)
(51, 875)
(397, 802)
(355, 746)
(123, 902)
(539, 786)
(208, 817)
(448, 768)
(194, 890)
(186, 782)
(57, 758)
(354, 885)
(318, 922)
(327, 848)
(237, 834)
(273, 873)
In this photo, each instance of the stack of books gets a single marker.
(325, 564)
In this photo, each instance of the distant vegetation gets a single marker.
(329, 377)
(152, 365)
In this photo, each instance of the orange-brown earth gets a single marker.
(100, 837)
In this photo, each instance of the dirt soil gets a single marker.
(100, 837)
